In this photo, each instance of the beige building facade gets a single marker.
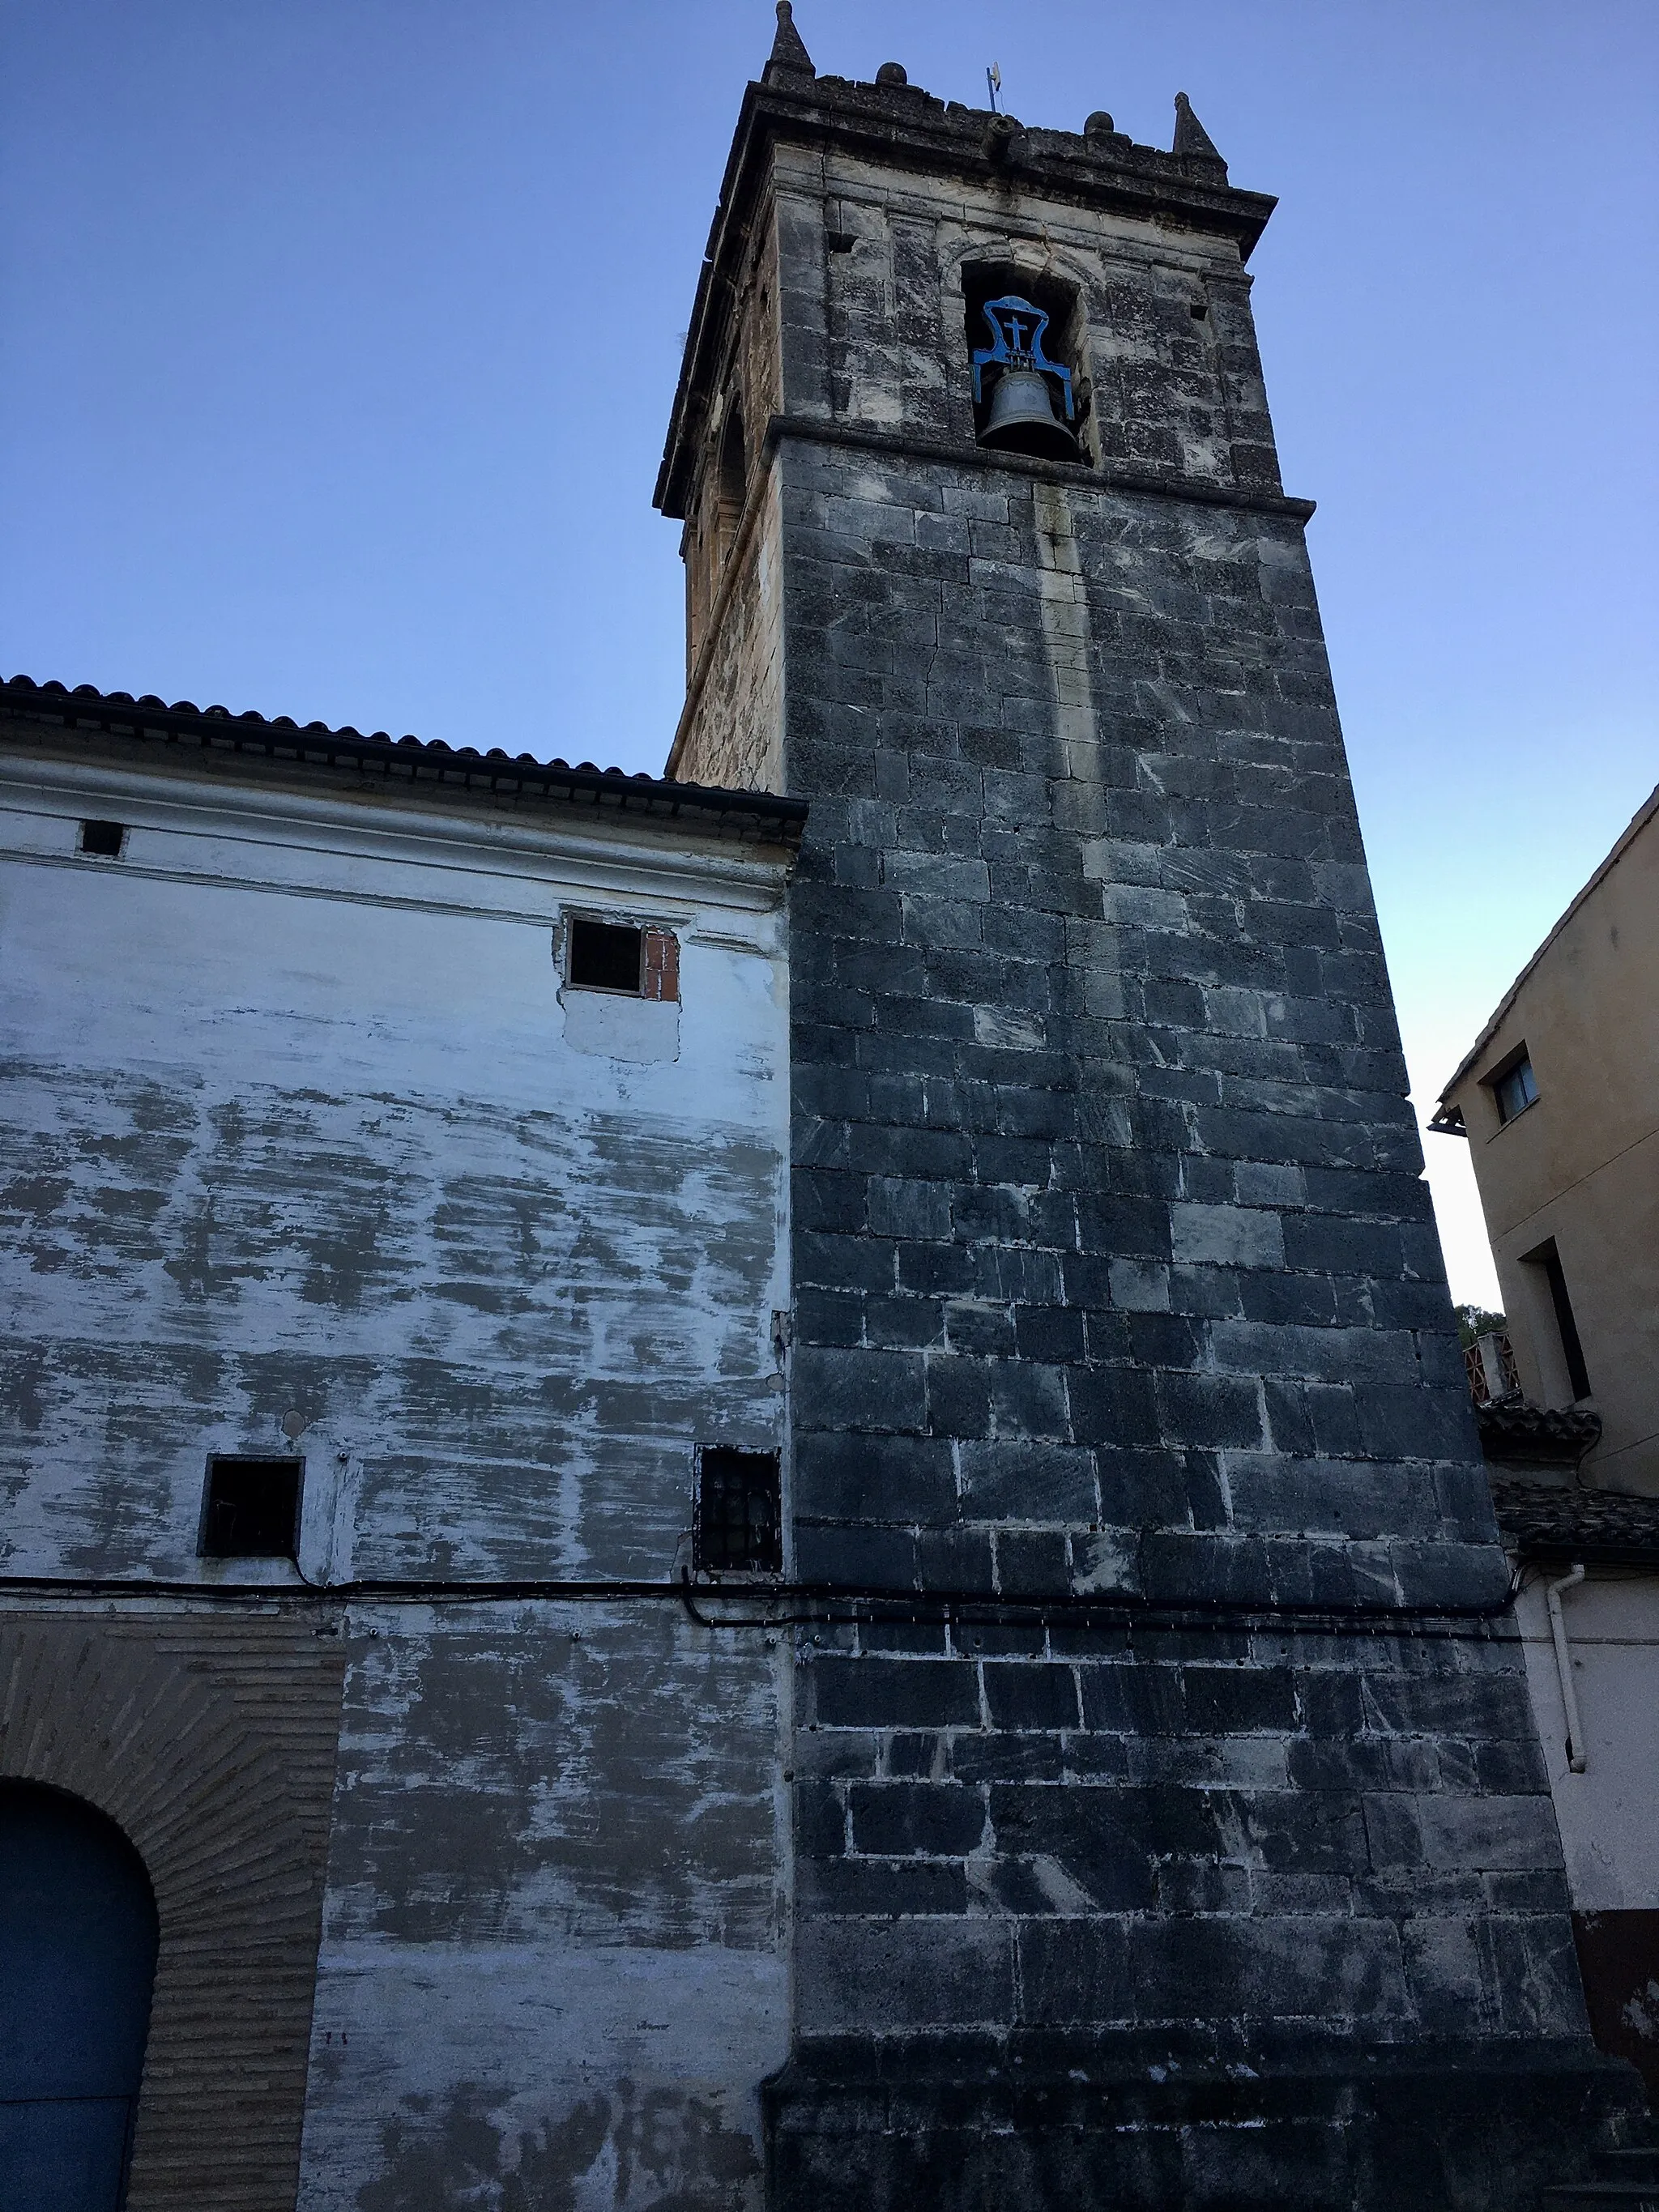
(1560, 1100)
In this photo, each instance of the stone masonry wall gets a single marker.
(1116, 1282)
(1115, 1274)
(732, 731)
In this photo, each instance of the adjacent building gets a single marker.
(1558, 1098)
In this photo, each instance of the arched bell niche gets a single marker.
(1047, 311)
(78, 1936)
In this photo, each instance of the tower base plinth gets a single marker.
(1104, 2126)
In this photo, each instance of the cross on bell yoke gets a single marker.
(1022, 418)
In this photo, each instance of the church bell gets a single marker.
(1022, 419)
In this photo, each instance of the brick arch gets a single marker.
(209, 1741)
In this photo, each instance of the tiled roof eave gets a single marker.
(750, 816)
(1598, 1527)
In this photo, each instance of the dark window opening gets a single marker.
(732, 480)
(622, 956)
(1020, 408)
(842, 242)
(1547, 1259)
(1514, 1088)
(740, 1511)
(1197, 309)
(104, 840)
(252, 1509)
(734, 459)
(605, 956)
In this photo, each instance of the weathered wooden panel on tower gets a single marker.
(1182, 1837)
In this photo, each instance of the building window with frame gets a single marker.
(1514, 1087)
(630, 959)
(251, 1508)
(738, 1520)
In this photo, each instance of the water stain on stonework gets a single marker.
(661, 2151)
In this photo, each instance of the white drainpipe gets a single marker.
(1564, 1668)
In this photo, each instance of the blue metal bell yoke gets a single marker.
(1016, 327)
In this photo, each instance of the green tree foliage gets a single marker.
(1475, 1321)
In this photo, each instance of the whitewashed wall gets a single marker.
(1609, 1814)
(298, 1124)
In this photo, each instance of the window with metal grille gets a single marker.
(253, 1509)
(739, 1515)
(604, 956)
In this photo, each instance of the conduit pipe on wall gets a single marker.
(1563, 1667)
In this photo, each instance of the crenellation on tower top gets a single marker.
(789, 57)
(1038, 178)
(862, 231)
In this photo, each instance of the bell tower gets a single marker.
(1169, 1824)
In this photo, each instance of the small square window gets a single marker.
(1516, 1089)
(739, 1517)
(622, 956)
(103, 840)
(604, 956)
(253, 1509)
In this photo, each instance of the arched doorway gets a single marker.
(77, 1959)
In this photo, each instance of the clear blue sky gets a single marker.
(339, 338)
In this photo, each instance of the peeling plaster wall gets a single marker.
(320, 1145)
(1607, 1828)
(552, 1959)
(297, 1122)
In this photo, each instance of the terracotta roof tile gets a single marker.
(1603, 1527)
(754, 816)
